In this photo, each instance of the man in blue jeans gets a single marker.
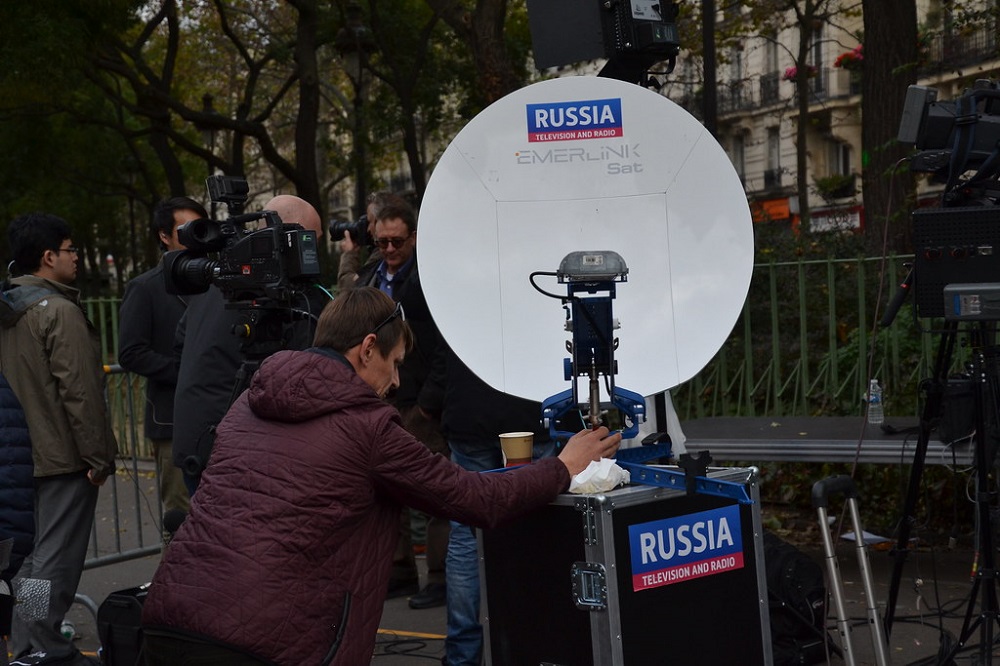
(474, 415)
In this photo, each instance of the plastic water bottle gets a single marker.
(67, 630)
(876, 412)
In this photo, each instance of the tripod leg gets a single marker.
(934, 389)
(985, 582)
(985, 398)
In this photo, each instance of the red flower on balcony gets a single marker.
(791, 73)
(851, 60)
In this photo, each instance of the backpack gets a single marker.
(796, 593)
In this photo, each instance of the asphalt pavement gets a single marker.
(933, 596)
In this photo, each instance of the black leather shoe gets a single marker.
(432, 596)
(402, 588)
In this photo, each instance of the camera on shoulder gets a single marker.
(256, 255)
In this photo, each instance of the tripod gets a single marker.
(986, 391)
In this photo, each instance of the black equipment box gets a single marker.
(953, 246)
(119, 625)
(639, 576)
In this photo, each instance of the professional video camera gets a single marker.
(958, 141)
(252, 264)
(957, 245)
(264, 274)
(358, 230)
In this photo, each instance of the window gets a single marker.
(773, 149)
(736, 64)
(738, 155)
(772, 176)
(816, 53)
(839, 157)
(771, 54)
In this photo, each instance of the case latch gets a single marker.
(590, 586)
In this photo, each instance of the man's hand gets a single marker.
(96, 477)
(589, 445)
(347, 244)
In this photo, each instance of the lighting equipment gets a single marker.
(632, 34)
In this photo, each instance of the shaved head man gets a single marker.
(296, 210)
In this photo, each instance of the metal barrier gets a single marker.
(128, 522)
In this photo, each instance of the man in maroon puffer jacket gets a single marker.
(285, 556)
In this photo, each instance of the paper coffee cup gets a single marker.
(516, 448)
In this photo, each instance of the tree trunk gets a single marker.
(483, 30)
(890, 48)
(307, 122)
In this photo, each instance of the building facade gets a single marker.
(758, 115)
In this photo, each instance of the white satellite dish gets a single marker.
(584, 163)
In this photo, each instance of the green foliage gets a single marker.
(943, 507)
(835, 186)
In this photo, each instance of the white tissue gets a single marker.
(600, 476)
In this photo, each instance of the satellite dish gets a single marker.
(584, 163)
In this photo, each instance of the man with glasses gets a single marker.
(148, 320)
(418, 399)
(285, 557)
(51, 355)
(350, 251)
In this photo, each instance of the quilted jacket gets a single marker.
(287, 550)
(17, 491)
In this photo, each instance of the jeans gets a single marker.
(464, 642)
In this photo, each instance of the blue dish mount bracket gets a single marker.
(590, 278)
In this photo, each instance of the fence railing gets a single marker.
(128, 522)
(801, 346)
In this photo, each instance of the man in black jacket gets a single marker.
(473, 417)
(210, 355)
(148, 319)
(417, 399)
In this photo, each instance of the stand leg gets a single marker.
(985, 387)
(934, 390)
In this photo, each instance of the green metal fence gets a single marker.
(801, 346)
(805, 344)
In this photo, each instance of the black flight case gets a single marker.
(637, 576)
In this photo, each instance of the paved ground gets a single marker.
(934, 592)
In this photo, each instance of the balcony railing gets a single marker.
(736, 96)
(769, 92)
(947, 51)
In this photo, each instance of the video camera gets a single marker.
(251, 264)
(956, 245)
(955, 138)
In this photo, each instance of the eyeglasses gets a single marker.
(397, 243)
(74, 250)
(397, 313)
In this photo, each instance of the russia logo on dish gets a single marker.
(569, 121)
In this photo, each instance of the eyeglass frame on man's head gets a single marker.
(397, 243)
(71, 248)
(397, 313)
